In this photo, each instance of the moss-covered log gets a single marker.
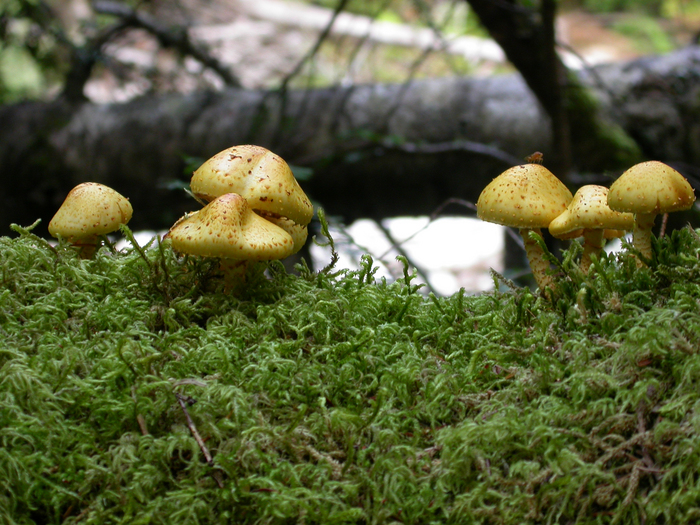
(133, 391)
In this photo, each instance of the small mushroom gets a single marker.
(89, 211)
(263, 178)
(527, 197)
(228, 229)
(589, 216)
(647, 190)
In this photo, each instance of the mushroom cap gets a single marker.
(263, 178)
(589, 210)
(90, 209)
(526, 196)
(229, 229)
(651, 187)
(298, 232)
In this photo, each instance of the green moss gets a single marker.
(337, 398)
(646, 33)
(599, 143)
(20, 75)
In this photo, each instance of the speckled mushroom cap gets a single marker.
(526, 196)
(90, 209)
(651, 187)
(263, 178)
(228, 228)
(298, 232)
(589, 210)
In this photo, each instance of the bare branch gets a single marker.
(193, 429)
(308, 56)
(457, 145)
(312, 52)
(176, 38)
(190, 424)
(398, 246)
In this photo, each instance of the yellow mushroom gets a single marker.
(263, 178)
(589, 216)
(527, 197)
(649, 189)
(228, 229)
(89, 211)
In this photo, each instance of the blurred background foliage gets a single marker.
(37, 47)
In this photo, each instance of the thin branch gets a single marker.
(176, 38)
(434, 26)
(81, 58)
(413, 70)
(193, 429)
(284, 85)
(190, 424)
(362, 41)
(398, 247)
(456, 145)
(433, 216)
(341, 113)
(319, 42)
(380, 146)
(595, 75)
(512, 232)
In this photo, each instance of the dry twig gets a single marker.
(182, 400)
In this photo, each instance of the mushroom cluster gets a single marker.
(530, 197)
(255, 211)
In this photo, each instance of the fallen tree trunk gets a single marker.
(375, 151)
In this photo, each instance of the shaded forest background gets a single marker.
(136, 94)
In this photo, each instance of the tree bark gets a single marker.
(528, 39)
(375, 150)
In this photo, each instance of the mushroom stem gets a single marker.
(234, 271)
(538, 264)
(86, 247)
(641, 238)
(592, 244)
